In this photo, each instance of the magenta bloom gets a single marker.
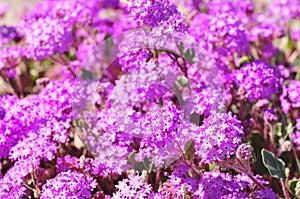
(46, 35)
(218, 137)
(68, 185)
(257, 80)
(290, 98)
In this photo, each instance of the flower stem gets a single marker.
(187, 163)
(295, 154)
(284, 189)
(157, 179)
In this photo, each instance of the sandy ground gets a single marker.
(16, 8)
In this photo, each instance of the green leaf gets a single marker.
(274, 165)
(244, 59)
(109, 43)
(293, 185)
(72, 56)
(234, 109)
(213, 166)
(287, 171)
(85, 74)
(190, 55)
(189, 145)
(189, 149)
(182, 81)
(290, 129)
(286, 82)
(183, 190)
(131, 158)
(253, 157)
(297, 76)
(290, 44)
(203, 8)
(278, 129)
(180, 47)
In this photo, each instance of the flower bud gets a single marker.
(244, 152)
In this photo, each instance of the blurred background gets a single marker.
(16, 7)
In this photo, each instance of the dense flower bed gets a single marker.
(156, 99)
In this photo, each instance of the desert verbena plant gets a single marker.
(156, 99)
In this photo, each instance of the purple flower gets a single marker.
(285, 71)
(108, 164)
(270, 115)
(218, 137)
(269, 51)
(29, 124)
(257, 80)
(6, 102)
(19, 119)
(180, 177)
(68, 184)
(296, 134)
(283, 11)
(9, 190)
(147, 83)
(12, 56)
(109, 146)
(265, 30)
(70, 12)
(137, 48)
(11, 184)
(133, 54)
(157, 13)
(223, 33)
(215, 185)
(2, 113)
(241, 8)
(33, 148)
(133, 187)
(290, 98)
(244, 152)
(167, 190)
(265, 193)
(206, 100)
(67, 162)
(295, 34)
(159, 132)
(8, 34)
(46, 35)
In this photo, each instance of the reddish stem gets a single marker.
(284, 189)
(187, 163)
(157, 179)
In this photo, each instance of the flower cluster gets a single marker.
(11, 57)
(270, 115)
(157, 99)
(157, 13)
(214, 184)
(46, 36)
(296, 135)
(290, 98)
(222, 35)
(8, 34)
(283, 11)
(218, 137)
(68, 184)
(133, 187)
(244, 152)
(257, 80)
